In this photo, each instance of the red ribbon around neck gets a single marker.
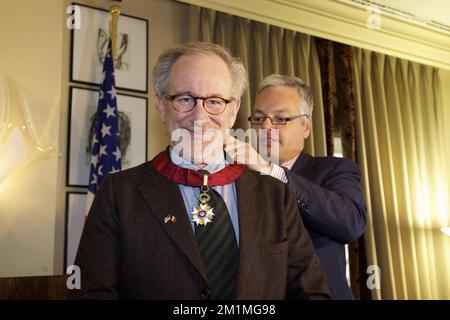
(190, 177)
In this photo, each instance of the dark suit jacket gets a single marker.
(127, 251)
(332, 206)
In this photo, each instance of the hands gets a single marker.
(241, 152)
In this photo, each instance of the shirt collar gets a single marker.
(290, 163)
(218, 164)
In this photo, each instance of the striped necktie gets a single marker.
(219, 249)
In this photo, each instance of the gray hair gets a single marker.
(162, 69)
(276, 80)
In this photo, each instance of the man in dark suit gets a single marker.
(188, 225)
(327, 189)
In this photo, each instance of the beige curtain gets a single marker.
(265, 49)
(400, 150)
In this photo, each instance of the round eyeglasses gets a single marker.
(186, 102)
(276, 120)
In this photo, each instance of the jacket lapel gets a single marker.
(249, 226)
(170, 202)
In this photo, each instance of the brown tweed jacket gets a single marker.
(127, 250)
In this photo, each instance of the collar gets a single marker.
(191, 177)
(218, 164)
(290, 163)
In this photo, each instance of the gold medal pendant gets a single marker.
(203, 213)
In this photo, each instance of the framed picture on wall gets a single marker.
(90, 42)
(75, 217)
(132, 128)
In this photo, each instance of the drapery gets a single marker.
(400, 150)
(392, 126)
(265, 49)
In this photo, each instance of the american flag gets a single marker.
(105, 152)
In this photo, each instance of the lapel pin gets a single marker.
(170, 218)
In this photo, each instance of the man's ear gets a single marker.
(160, 107)
(307, 128)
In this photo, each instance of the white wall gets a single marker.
(32, 40)
(36, 53)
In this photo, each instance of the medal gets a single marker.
(203, 212)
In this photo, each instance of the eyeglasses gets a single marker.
(186, 102)
(276, 120)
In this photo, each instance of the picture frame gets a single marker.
(132, 127)
(89, 44)
(75, 218)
